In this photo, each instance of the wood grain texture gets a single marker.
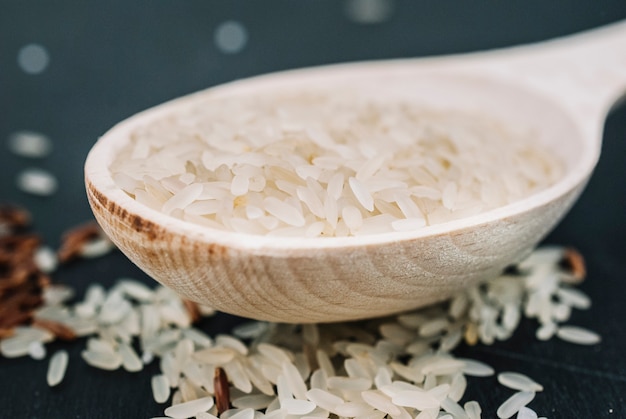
(318, 285)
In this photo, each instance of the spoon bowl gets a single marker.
(560, 90)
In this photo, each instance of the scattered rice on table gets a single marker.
(370, 369)
(29, 144)
(37, 182)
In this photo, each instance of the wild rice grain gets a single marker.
(574, 262)
(222, 391)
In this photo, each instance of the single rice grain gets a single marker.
(57, 367)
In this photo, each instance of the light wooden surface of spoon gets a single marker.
(561, 89)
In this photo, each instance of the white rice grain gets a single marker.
(36, 350)
(297, 407)
(380, 401)
(37, 182)
(417, 399)
(361, 194)
(57, 294)
(546, 331)
(348, 384)
(514, 403)
(294, 380)
(453, 408)
(476, 368)
(449, 195)
(183, 198)
(102, 360)
(189, 409)
(457, 387)
(255, 401)
(472, 409)
(46, 260)
(573, 297)
(520, 382)
(353, 409)
(130, 361)
(236, 373)
(578, 335)
(19, 344)
(29, 144)
(57, 368)
(277, 355)
(443, 366)
(408, 224)
(96, 248)
(526, 413)
(283, 211)
(324, 399)
(433, 327)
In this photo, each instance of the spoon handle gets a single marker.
(585, 73)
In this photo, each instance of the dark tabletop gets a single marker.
(112, 58)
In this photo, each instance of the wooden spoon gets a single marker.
(561, 89)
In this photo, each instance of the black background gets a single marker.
(110, 59)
